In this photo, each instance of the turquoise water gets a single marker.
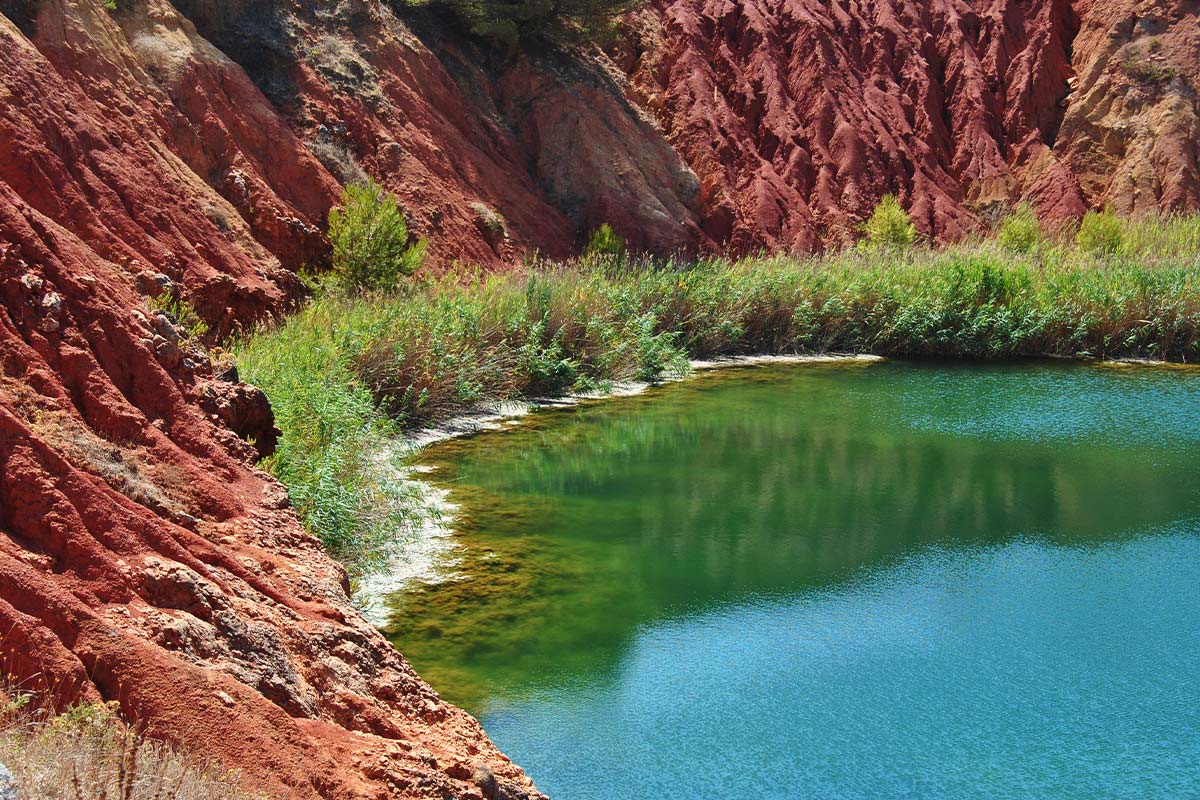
(835, 581)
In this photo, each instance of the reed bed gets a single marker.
(347, 373)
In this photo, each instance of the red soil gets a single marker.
(798, 114)
(144, 560)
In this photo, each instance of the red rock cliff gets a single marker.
(798, 114)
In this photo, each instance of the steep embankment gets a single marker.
(201, 145)
(143, 559)
(798, 115)
(490, 161)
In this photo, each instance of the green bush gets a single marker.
(604, 242)
(1099, 233)
(370, 240)
(1142, 69)
(889, 226)
(346, 374)
(1020, 231)
(505, 21)
(183, 313)
(337, 454)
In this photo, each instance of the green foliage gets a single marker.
(181, 311)
(1142, 69)
(1099, 234)
(505, 21)
(604, 242)
(337, 454)
(370, 240)
(1020, 231)
(346, 374)
(1151, 239)
(889, 226)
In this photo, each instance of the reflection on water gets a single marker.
(1015, 671)
(641, 573)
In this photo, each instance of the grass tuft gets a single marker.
(87, 753)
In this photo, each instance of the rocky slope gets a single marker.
(798, 114)
(143, 560)
(199, 145)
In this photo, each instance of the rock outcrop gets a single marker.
(798, 114)
(144, 560)
(1131, 131)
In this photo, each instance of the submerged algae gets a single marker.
(581, 525)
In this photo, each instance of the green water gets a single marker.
(835, 581)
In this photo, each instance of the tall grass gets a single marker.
(345, 374)
(337, 455)
(88, 753)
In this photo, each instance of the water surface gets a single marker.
(834, 581)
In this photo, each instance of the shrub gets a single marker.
(889, 226)
(89, 752)
(336, 157)
(370, 240)
(490, 223)
(1099, 233)
(605, 242)
(181, 312)
(1141, 69)
(337, 455)
(504, 21)
(1020, 231)
(346, 374)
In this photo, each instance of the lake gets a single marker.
(833, 580)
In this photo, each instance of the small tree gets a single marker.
(1099, 233)
(1020, 231)
(889, 226)
(604, 242)
(370, 240)
(506, 20)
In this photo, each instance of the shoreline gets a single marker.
(509, 412)
(427, 554)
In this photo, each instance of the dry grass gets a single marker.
(122, 468)
(89, 753)
(337, 158)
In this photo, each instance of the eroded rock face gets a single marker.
(1131, 133)
(142, 557)
(194, 149)
(493, 155)
(797, 115)
(144, 560)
